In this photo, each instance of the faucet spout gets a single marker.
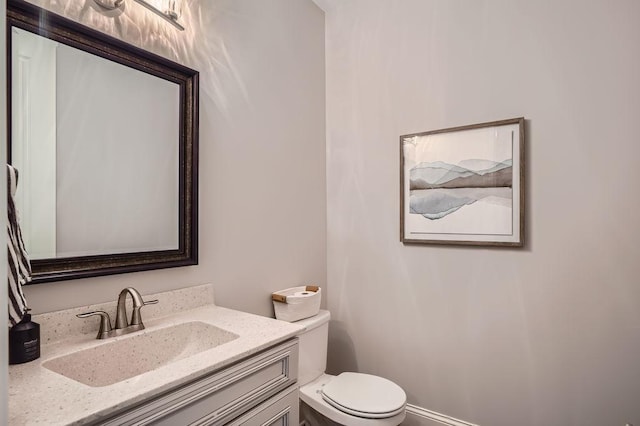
(122, 326)
(138, 302)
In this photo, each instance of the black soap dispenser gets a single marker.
(24, 341)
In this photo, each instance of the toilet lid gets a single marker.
(364, 395)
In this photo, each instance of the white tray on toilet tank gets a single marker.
(296, 303)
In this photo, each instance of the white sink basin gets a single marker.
(138, 353)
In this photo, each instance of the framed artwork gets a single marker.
(464, 185)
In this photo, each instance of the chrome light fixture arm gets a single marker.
(171, 10)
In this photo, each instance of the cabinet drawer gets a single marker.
(221, 396)
(281, 410)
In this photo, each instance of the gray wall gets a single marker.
(262, 152)
(545, 335)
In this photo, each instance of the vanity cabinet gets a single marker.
(281, 410)
(259, 390)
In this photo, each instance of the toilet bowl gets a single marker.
(351, 399)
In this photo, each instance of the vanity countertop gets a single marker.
(38, 396)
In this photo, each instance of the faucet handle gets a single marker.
(105, 322)
(136, 318)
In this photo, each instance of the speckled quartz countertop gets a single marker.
(39, 396)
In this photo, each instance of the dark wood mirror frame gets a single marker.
(47, 24)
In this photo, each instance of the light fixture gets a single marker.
(171, 10)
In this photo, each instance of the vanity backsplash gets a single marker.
(63, 325)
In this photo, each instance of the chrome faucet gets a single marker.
(122, 326)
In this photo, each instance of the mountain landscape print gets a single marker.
(463, 185)
(438, 189)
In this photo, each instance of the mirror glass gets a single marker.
(94, 142)
(104, 137)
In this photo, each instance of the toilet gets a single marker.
(351, 399)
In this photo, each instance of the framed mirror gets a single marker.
(105, 139)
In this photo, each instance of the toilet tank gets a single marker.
(312, 360)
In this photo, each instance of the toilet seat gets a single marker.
(311, 394)
(364, 395)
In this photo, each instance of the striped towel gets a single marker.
(19, 271)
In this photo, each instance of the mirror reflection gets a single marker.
(95, 143)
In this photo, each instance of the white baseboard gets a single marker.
(419, 416)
